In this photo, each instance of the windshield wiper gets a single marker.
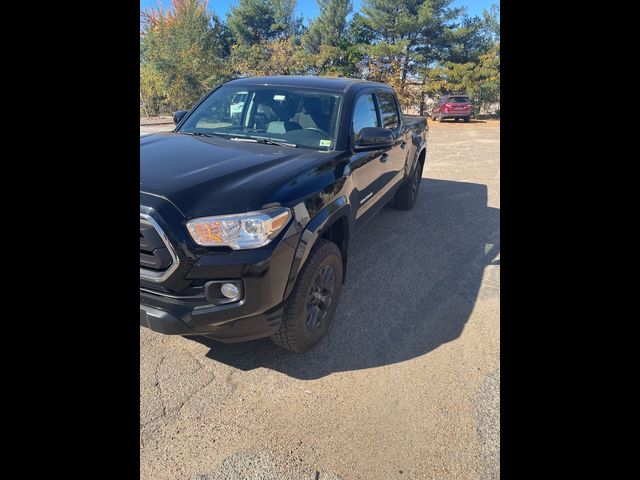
(200, 134)
(264, 141)
(236, 138)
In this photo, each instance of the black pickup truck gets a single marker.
(248, 207)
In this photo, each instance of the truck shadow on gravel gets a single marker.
(412, 282)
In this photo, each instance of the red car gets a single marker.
(453, 106)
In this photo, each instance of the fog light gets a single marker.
(229, 290)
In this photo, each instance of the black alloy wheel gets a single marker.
(320, 296)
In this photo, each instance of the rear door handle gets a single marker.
(384, 157)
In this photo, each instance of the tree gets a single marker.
(422, 48)
(285, 22)
(358, 31)
(278, 57)
(326, 42)
(467, 61)
(256, 21)
(183, 51)
(491, 20)
(251, 21)
(468, 41)
(330, 26)
(265, 31)
(486, 90)
(481, 81)
(405, 35)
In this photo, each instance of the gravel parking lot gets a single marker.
(404, 386)
(155, 124)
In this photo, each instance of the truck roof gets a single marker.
(339, 84)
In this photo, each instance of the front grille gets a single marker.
(157, 258)
(154, 254)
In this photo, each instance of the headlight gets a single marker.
(241, 231)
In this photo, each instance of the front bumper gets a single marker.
(183, 321)
(185, 304)
(263, 274)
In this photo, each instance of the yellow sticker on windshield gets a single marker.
(325, 143)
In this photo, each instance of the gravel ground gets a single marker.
(404, 386)
(156, 124)
(488, 420)
(260, 465)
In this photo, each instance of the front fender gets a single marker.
(314, 230)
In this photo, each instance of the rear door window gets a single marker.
(388, 110)
(458, 99)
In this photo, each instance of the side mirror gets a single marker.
(374, 137)
(177, 116)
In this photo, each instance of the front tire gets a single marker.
(312, 303)
(467, 119)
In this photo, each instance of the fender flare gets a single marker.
(420, 147)
(312, 231)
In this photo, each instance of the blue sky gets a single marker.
(309, 8)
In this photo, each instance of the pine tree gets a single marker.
(325, 40)
(405, 35)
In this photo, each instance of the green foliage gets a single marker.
(256, 21)
(182, 55)
(330, 26)
(266, 34)
(491, 20)
(467, 41)
(278, 57)
(329, 51)
(481, 81)
(251, 21)
(423, 48)
(285, 22)
(486, 86)
(404, 34)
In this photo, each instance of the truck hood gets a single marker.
(216, 176)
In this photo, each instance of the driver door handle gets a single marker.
(384, 157)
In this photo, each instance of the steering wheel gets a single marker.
(319, 130)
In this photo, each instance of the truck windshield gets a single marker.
(304, 118)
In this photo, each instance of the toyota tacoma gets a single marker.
(248, 207)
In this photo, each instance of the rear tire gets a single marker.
(440, 118)
(408, 193)
(310, 308)
(467, 119)
(456, 119)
